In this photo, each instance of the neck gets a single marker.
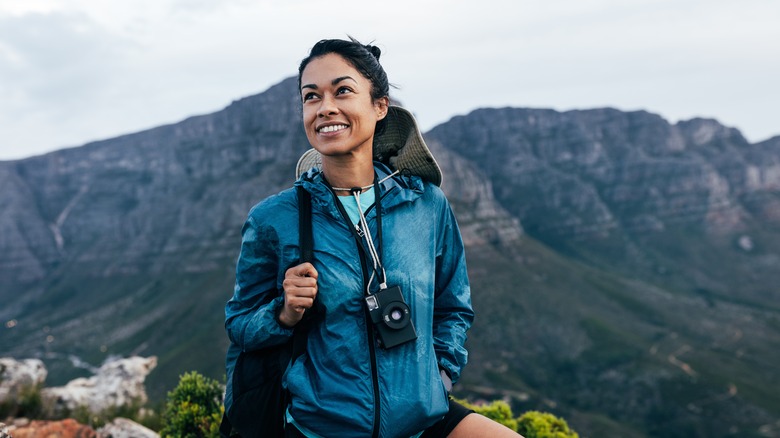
(348, 174)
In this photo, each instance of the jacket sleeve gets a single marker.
(452, 312)
(250, 316)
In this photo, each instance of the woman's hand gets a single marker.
(300, 290)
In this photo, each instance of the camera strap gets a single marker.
(362, 234)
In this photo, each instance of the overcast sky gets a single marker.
(73, 71)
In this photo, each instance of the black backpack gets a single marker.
(259, 400)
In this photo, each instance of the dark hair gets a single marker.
(365, 59)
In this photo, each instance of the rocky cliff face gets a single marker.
(583, 173)
(173, 197)
(145, 199)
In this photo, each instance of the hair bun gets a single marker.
(374, 51)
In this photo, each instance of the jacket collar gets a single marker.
(395, 190)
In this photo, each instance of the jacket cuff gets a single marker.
(278, 312)
(445, 378)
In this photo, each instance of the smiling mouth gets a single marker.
(332, 128)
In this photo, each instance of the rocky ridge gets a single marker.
(134, 197)
(595, 172)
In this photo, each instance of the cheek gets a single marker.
(308, 112)
(308, 119)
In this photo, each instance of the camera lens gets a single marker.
(396, 315)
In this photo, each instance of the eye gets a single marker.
(309, 96)
(343, 90)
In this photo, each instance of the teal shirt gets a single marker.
(367, 199)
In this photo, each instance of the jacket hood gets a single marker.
(394, 189)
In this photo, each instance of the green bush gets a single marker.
(498, 411)
(532, 424)
(194, 408)
(26, 403)
(535, 424)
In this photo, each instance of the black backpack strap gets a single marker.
(225, 428)
(306, 243)
(301, 332)
(304, 225)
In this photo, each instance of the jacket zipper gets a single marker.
(372, 352)
(369, 324)
(370, 330)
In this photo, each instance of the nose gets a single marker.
(327, 106)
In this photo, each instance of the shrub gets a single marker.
(498, 411)
(532, 424)
(194, 408)
(26, 403)
(535, 424)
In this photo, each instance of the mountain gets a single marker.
(667, 319)
(623, 268)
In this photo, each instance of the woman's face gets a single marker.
(339, 115)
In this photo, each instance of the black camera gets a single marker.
(391, 317)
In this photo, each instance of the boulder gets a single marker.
(117, 383)
(124, 428)
(16, 375)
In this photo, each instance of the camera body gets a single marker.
(391, 317)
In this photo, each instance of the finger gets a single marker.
(299, 304)
(292, 283)
(301, 292)
(302, 270)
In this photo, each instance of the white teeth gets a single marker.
(333, 128)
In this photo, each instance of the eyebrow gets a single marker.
(333, 82)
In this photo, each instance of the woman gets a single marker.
(389, 274)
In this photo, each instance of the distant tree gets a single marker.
(194, 408)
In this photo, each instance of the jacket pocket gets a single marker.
(257, 368)
(259, 400)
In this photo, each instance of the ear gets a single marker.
(381, 106)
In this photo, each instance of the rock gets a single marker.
(124, 428)
(116, 384)
(16, 375)
(68, 428)
(20, 422)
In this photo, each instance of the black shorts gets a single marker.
(442, 428)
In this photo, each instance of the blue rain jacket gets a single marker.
(332, 383)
